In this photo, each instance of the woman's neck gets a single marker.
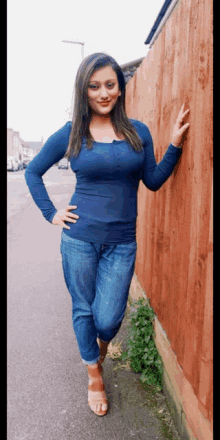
(102, 130)
(100, 121)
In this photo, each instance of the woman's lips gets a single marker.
(104, 103)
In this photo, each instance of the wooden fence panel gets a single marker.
(174, 258)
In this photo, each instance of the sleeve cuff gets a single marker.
(179, 147)
(50, 219)
(176, 151)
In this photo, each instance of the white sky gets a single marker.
(41, 69)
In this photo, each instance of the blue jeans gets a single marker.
(98, 278)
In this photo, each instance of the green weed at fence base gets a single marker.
(142, 351)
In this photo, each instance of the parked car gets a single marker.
(12, 163)
(20, 165)
(16, 164)
(25, 163)
(63, 163)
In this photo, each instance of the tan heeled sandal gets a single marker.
(96, 385)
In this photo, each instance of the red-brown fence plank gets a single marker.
(174, 258)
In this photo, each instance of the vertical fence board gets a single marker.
(173, 262)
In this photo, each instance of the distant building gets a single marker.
(36, 146)
(17, 147)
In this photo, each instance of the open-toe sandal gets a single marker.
(96, 388)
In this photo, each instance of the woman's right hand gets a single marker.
(179, 130)
(64, 215)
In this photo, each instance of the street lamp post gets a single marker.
(82, 54)
(76, 42)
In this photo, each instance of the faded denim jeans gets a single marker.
(98, 278)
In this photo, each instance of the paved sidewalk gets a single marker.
(47, 382)
(144, 412)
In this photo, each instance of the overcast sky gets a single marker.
(41, 69)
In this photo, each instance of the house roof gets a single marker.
(24, 143)
(158, 20)
(130, 68)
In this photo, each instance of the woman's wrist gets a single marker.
(177, 146)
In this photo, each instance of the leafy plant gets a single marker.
(142, 351)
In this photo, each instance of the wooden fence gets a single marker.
(174, 226)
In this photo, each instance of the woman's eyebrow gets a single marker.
(107, 80)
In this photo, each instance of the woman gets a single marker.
(109, 154)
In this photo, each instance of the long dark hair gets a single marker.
(82, 112)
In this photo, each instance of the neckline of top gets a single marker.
(114, 141)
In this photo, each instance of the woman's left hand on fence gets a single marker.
(179, 129)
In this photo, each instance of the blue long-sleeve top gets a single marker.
(108, 177)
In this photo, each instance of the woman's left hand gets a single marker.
(178, 129)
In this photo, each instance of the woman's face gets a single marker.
(103, 91)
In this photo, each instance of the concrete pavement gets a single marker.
(47, 382)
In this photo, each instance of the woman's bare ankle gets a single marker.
(103, 348)
(94, 370)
